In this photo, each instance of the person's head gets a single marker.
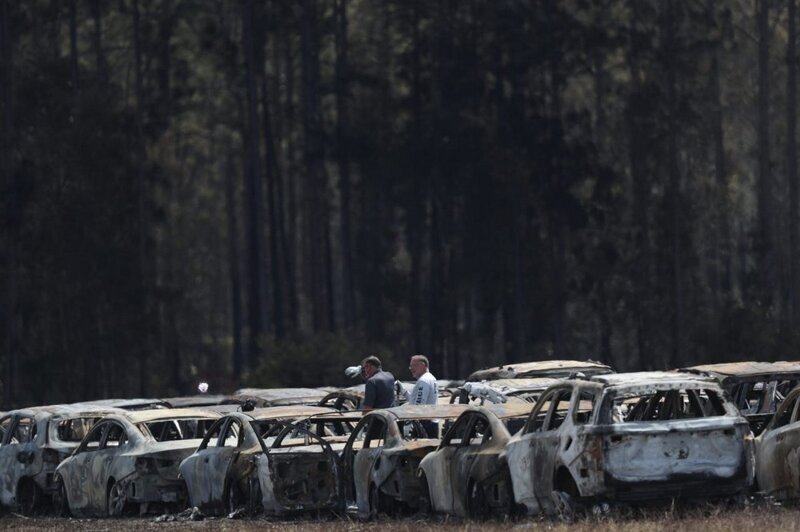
(370, 366)
(418, 366)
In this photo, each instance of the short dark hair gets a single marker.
(423, 359)
(373, 361)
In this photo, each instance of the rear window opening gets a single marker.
(663, 405)
(178, 429)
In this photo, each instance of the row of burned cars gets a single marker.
(541, 437)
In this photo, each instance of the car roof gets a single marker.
(542, 367)
(65, 410)
(747, 369)
(525, 383)
(650, 377)
(188, 401)
(278, 394)
(507, 410)
(279, 412)
(437, 411)
(146, 416)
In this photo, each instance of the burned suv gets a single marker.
(631, 437)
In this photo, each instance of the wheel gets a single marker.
(509, 508)
(118, 505)
(379, 503)
(28, 496)
(374, 502)
(425, 506)
(60, 500)
(564, 506)
(233, 498)
(477, 508)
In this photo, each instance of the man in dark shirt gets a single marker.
(379, 390)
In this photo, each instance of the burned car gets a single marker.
(345, 399)
(35, 440)
(379, 462)
(284, 396)
(464, 476)
(777, 451)
(222, 474)
(557, 369)
(631, 437)
(501, 391)
(756, 388)
(301, 470)
(130, 460)
(126, 404)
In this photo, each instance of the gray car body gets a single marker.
(588, 454)
(145, 469)
(37, 457)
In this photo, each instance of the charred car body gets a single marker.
(778, 451)
(464, 476)
(630, 437)
(557, 369)
(222, 474)
(380, 460)
(302, 469)
(34, 441)
(756, 388)
(128, 460)
(284, 396)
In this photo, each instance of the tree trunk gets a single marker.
(73, 47)
(765, 203)
(255, 242)
(641, 206)
(233, 264)
(8, 239)
(143, 359)
(674, 188)
(289, 237)
(722, 282)
(272, 176)
(791, 161)
(316, 214)
(97, 40)
(343, 148)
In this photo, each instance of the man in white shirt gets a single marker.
(425, 391)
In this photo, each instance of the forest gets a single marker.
(263, 192)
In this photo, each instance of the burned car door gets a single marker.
(546, 446)
(778, 454)
(304, 471)
(206, 471)
(525, 451)
(467, 464)
(83, 492)
(441, 466)
(17, 455)
(362, 451)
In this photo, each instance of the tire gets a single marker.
(233, 498)
(425, 506)
(29, 496)
(379, 503)
(60, 499)
(477, 508)
(509, 509)
(564, 506)
(374, 502)
(118, 505)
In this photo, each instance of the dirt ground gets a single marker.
(710, 519)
